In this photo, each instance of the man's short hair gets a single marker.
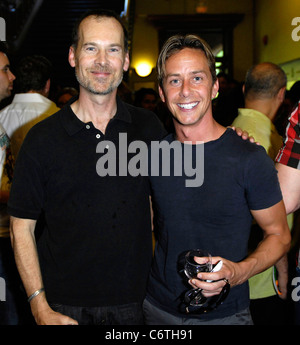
(3, 47)
(178, 42)
(98, 14)
(264, 80)
(32, 73)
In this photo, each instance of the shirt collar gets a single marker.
(251, 112)
(30, 97)
(73, 125)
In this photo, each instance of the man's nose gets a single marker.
(185, 88)
(101, 57)
(11, 76)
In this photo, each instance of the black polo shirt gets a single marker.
(95, 245)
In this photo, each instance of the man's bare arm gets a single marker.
(275, 244)
(277, 237)
(289, 179)
(283, 275)
(26, 256)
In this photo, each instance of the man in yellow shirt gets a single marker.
(264, 92)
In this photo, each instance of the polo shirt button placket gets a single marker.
(98, 136)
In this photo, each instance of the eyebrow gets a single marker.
(192, 73)
(89, 44)
(96, 44)
(172, 75)
(199, 72)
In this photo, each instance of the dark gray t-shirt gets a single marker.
(238, 177)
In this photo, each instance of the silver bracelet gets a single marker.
(37, 292)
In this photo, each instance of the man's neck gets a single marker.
(97, 109)
(200, 132)
(266, 107)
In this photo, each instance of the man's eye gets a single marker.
(174, 82)
(90, 49)
(197, 78)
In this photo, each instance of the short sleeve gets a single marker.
(27, 192)
(261, 180)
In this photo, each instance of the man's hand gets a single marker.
(212, 283)
(51, 317)
(243, 134)
(44, 315)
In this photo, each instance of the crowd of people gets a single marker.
(76, 247)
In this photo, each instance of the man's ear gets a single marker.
(126, 62)
(161, 94)
(71, 56)
(281, 94)
(47, 88)
(215, 89)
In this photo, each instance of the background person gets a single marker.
(146, 98)
(288, 165)
(264, 91)
(12, 309)
(30, 103)
(64, 96)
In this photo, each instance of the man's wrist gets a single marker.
(36, 293)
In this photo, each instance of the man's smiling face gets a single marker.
(188, 87)
(100, 57)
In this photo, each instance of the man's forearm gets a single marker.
(283, 275)
(269, 251)
(24, 246)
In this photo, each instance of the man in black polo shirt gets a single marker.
(94, 253)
